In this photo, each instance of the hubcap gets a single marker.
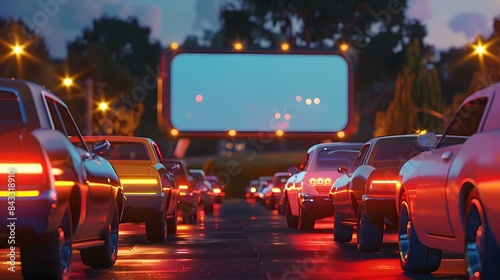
(404, 236)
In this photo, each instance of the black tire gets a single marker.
(306, 219)
(291, 220)
(481, 251)
(282, 208)
(415, 257)
(156, 227)
(172, 224)
(208, 208)
(270, 203)
(370, 232)
(105, 255)
(341, 233)
(49, 256)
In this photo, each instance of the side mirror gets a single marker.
(427, 140)
(101, 146)
(293, 170)
(343, 170)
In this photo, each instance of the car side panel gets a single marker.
(431, 197)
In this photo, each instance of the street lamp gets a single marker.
(17, 49)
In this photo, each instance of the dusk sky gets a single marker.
(449, 23)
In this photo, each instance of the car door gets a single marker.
(433, 191)
(342, 193)
(95, 188)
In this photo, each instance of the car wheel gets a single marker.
(306, 219)
(414, 256)
(156, 227)
(370, 232)
(481, 251)
(291, 220)
(104, 255)
(172, 224)
(270, 203)
(282, 207)
(341, 233)
(49, 257)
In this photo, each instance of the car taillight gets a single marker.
(320, 181)
(382, 185)
(21, 168)
(23, 179)
(253, 189)
(183, 187)
(139, 182)
(276, 190)
(217, 191)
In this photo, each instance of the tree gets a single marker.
(417, 89)
(400, 116)
(119, 56)
(32, 62)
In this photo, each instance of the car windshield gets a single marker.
(335, 158)
(126, 151)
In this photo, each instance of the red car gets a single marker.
(448, 197)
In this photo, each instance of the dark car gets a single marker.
(203, 186)
(189, 196)
(61, 196)
(217, 188)
(272, 192)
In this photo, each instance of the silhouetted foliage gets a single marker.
(122, 60)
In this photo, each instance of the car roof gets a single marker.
(340, 145)
(118, 138)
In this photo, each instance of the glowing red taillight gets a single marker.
(383, 185)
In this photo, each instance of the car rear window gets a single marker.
(126, 151)
(335, 158)
(178, 172)
(394, 152)
(9, 107)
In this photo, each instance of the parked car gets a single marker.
(263, 182)
(447, 197)
(189, 196)
(307, 190)
(251, 189)
(217, 188)
(274, 189)
(363, 196)
(151, 191)
(61, 196)
(203, 186)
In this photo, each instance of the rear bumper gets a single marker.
(30, 217)
(319, 205)
(380, 205)
(139, 207)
